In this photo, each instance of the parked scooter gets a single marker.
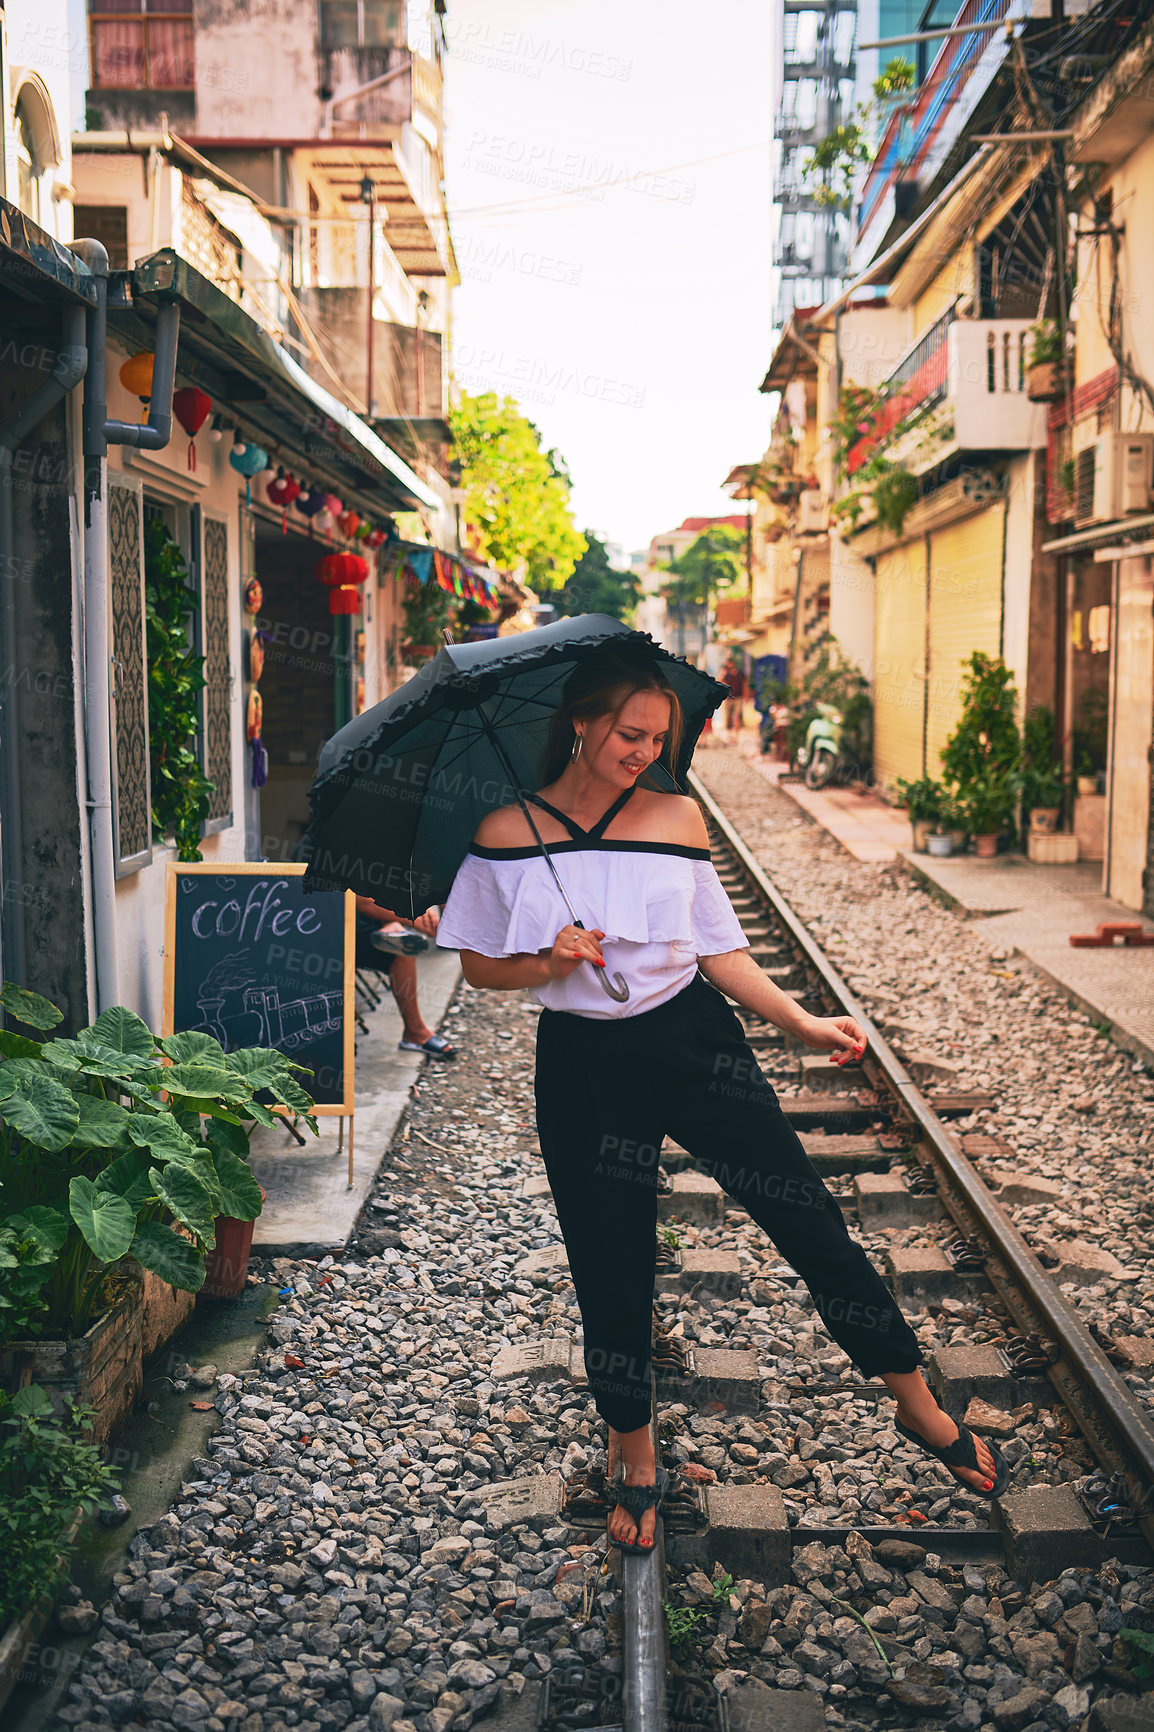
(821, 753)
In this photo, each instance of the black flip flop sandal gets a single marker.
(635, 1500)
(963, 1452)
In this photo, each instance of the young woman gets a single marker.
(614, 1078)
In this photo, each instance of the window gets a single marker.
(28, 164)
(142, 44)
(361, 23)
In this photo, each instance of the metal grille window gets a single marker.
(142, 44)
(361, 23)
(133, 794)
(216, 733)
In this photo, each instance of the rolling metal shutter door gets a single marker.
(899, 662)
(965, 615)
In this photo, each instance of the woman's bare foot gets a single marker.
(634, 1450)
(939, 1429)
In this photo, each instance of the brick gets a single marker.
(748, 1535)
(517, 1501)
(752, 1706)
(1047, 1531)
(1024, 1188)
(1084, 1264)
(710, 1271)
(885, 1200)
(959, 1374)
(819, 1075)
(540, 1360)
(694, 1198)
(716, 1374)
(921, 1271)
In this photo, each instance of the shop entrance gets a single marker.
(305, 684)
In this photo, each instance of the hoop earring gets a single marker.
(576, 752)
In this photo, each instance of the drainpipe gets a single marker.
(70, 367)
(99, 433)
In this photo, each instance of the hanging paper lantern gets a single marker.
(333, 504)
(376, 538)
(344, 601)
(248, 460)
(282, 489)
(310, 504)
(341, 572)
(362, 531)
(136, 375)
(347, 522)
(192, 408)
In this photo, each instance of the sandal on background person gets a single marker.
(436, 1047)
(398, 940)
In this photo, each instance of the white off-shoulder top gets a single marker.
(660, 907)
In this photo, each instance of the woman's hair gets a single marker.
(601, 686)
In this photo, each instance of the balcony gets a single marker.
(918, 138)
(962, 387)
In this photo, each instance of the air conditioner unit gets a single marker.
(1113, 477)
(811, 512)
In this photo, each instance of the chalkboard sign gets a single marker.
(252, 961)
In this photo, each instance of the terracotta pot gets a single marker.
(986, 846)
(1044, 819)
(226, 1268)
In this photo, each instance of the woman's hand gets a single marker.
(572, 946)
(428, 922)
(839, 1035)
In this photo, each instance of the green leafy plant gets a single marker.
(922, 799)
(830, 679)
(986, 737)
(722, 1586)
(1140, 1643)
(1044, 344)
(682, 1623)
(895, 490)
(428, 610)
(669, 1237)
(846, 149)
(48, 1472)
(989, 801)
(180, 789)
(111, 1157)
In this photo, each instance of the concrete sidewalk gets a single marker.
(1030, 909)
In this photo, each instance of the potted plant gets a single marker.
(989, 802)
(922, 800)
(952, 820)
(1045, 362)
(118, 1153)
(1043, 792)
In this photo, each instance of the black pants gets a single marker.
(607, 1094)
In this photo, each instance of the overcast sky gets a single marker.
(630, 323)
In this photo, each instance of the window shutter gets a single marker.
(132, 795)
(210, 552)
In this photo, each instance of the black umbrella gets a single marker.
(401, 790)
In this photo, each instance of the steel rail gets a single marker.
(643, 1621)
(1113, 1422)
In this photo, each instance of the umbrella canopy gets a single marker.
(401, 790)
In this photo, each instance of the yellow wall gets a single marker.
(965, 615)
(1132, 701)
(955, 278)
(899, 662)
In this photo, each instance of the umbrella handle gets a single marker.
(618, 987)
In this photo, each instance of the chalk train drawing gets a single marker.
(241, 1011)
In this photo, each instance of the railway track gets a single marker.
(877, 1123)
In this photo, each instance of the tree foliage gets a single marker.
(516, 494)
(180, 789)
(715, 562)
(598, 587)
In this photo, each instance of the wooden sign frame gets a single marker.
(266, 869)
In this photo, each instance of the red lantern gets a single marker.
(376, 538)
(282, 490)
(192, 408)
(341, 572)
(347, 523)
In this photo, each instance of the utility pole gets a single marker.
(369, 197)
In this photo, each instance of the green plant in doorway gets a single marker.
(180, 789)
(986, 737)
(922, 799)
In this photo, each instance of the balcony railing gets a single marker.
(913, 132)
(965, 380)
